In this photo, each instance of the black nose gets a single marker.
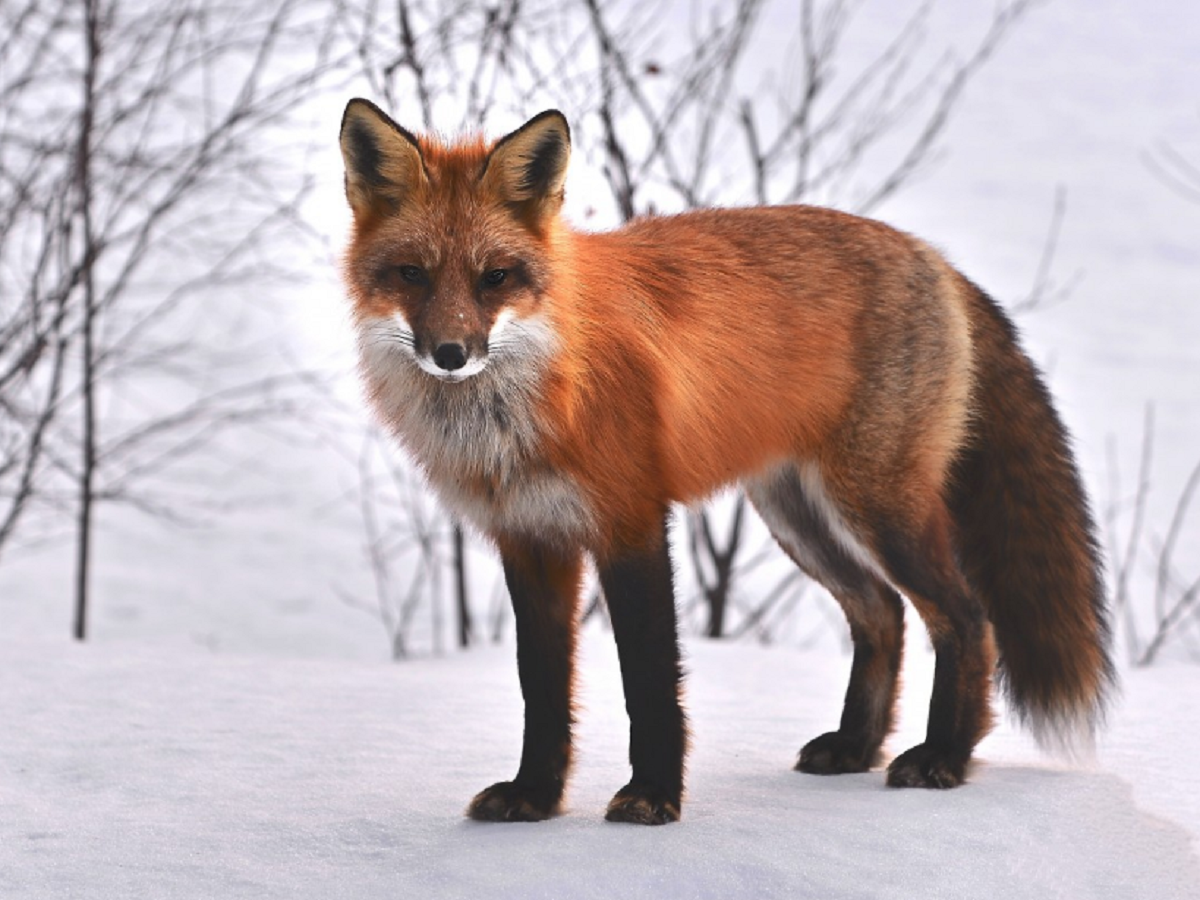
(450, 356)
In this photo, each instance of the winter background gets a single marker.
(235, 726)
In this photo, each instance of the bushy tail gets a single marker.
(1028, 546)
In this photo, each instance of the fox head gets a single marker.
(448, 261)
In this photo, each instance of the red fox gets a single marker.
(561, 390)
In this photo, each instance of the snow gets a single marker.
(128, 771)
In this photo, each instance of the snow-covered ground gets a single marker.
(130, 772)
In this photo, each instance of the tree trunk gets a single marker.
(460, 585)
(88, 348)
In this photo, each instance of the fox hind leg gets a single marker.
(876, 616)
(801, 523)
(921, 561)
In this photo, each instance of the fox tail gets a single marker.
(1027, 544)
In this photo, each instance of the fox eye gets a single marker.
(411, 274)
(494, 277)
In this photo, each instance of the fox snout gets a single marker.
(456, 353)
(453, 360)
(450, 356)
(451, 336)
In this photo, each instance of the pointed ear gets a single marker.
(384, 168)
(529, 166)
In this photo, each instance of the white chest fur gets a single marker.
(479, 440)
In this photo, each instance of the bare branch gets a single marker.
(1169, 618)
(918, 153)
(1174, 170)
(1125, 560)
(1044, 291)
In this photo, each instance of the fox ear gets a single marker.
(529, 166)
(383, 161)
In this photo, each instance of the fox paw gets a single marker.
(835, 753)
(643, 804)
(506, 801)
(926, 766)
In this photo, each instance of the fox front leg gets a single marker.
(544, 587)
(638, 588)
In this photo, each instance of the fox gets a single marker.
(563, 390)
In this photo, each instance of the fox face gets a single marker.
(449, 273)
(448, 306)
(447, 262)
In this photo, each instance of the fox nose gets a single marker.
(450, 356)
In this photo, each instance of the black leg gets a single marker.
(641, 603)
(802, 526)
(876, 616)
(959, 710)
(544, 587)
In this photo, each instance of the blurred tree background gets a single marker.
(155, 168)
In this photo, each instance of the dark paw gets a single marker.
(925, 766)
(643, 804)
(509, 802)
(835, 753)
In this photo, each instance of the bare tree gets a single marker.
(1174, 609)
(405, 541)
(34, 282)
(1176, 597)
(138, 187)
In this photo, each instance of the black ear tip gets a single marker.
(355, 108)
(359, 108)
(566, 126)
(553, 114)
